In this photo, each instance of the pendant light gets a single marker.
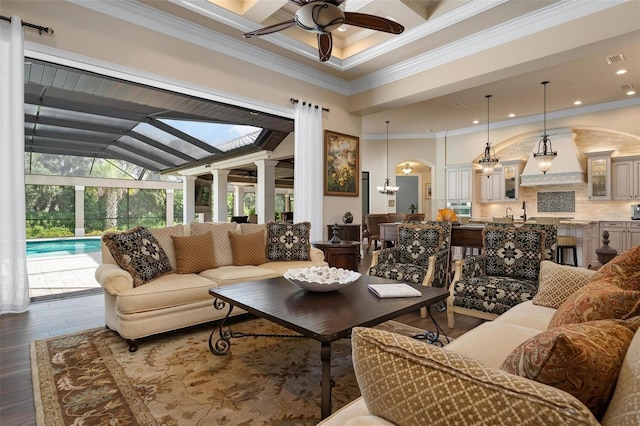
(406, 169)
(489, 161)
(545, 154)
(386, 188)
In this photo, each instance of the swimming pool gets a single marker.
(62, 247)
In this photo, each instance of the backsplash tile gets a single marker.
(556, 202)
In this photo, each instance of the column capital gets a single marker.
(266, 162)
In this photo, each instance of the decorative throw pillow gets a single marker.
(288, 241)
(418, 242)
(581, 359)
(139, 253)
(163, 235)
(595, 301)
(513, 252)
(194, 253)
(221, 243)
(408, 382)
(248, 249)
(624, 269)
(558, 282)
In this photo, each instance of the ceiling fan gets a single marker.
(322, 17)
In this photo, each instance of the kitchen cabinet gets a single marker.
(626, 178)
(459, 183)
(599, 175)
(503, 185)
(622, 235)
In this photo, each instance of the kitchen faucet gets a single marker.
(524, 208)
(506, 212)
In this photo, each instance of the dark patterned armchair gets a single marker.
(504, 275)
(420, 257)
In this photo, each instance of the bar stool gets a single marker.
(563, 242)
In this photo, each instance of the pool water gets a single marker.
(62, 247)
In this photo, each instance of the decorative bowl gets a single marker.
(321, 278)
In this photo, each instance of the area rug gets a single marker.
(90, 378)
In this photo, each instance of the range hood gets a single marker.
(567, 168)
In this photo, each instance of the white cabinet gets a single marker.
(503, 185)
(599, 175)
(626, 178)
(622, 235)
(491, 187)
(459, 183)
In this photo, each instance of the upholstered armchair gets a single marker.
(504, 275)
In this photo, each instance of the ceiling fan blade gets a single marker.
(300, 2)
(334, 2)
(372, 22)
(325, 45)
(271, 29)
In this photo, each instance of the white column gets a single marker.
(287, 201)
(79, 201)
(188, 199)
(169, 208)
(238, 200)
(266, 190)
(220, 195)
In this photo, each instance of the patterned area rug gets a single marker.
(90, 378)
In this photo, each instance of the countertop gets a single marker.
(572, 222)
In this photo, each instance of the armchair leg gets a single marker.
(423, 312)
(451, 321)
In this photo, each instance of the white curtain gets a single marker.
(309, 171)
(14, 280)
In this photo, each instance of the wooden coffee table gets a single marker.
(324, 317)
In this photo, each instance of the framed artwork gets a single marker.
(342, 163)
(427, 191)
(392, 203)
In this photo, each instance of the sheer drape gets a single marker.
(308, 173)
(14, 280)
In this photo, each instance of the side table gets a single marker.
(347, 232)
(344, 254)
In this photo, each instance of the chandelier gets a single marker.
(545, 154)
(406, 169)
(489, 161)
(386, 188)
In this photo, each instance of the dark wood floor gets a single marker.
(50, 317)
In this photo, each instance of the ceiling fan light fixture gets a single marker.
(319, 17)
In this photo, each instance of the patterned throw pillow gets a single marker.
(597, 300)
(558, 282)
(221, 243)
(139, 253)
(581, 359)
(513, 252)
(288, 241)
(195, 253)
(408, 382)
(418, 242)
(248, 249)
(624, 269)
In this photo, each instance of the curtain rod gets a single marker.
(295, 101)
(34, 26)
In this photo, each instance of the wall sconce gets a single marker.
(545, 154)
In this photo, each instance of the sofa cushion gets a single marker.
(624, 269)
(581, 359)
(597, 300)
(493, 294)
(194, 253)
(163, 235)
(526, 314)
(409, 382)
(558, 282)
(288, 241)
(248, 249)
(138, 252)
(624, 407)
(233, 274)
(280, 267)
(250, 228)
(513, 252)
(221, 243)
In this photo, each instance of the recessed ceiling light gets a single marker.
(512, 115)
(577, 103)
(476, 121)
(631, 92)
(620, 72)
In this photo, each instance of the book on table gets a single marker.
(394, 290)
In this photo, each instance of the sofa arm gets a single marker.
(316, 255)
(408, 382)
(113, 279)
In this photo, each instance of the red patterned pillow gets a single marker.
(624, 269)
(595, 301)
(581, 359)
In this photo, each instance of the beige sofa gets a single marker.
(177, 300)
(408, 382)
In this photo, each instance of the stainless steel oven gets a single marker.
(460, 208)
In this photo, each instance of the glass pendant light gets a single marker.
(545, 154)
(489, 161)
(386, 188)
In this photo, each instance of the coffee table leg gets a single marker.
(326, 384)
(222, 345)
(431, 336)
